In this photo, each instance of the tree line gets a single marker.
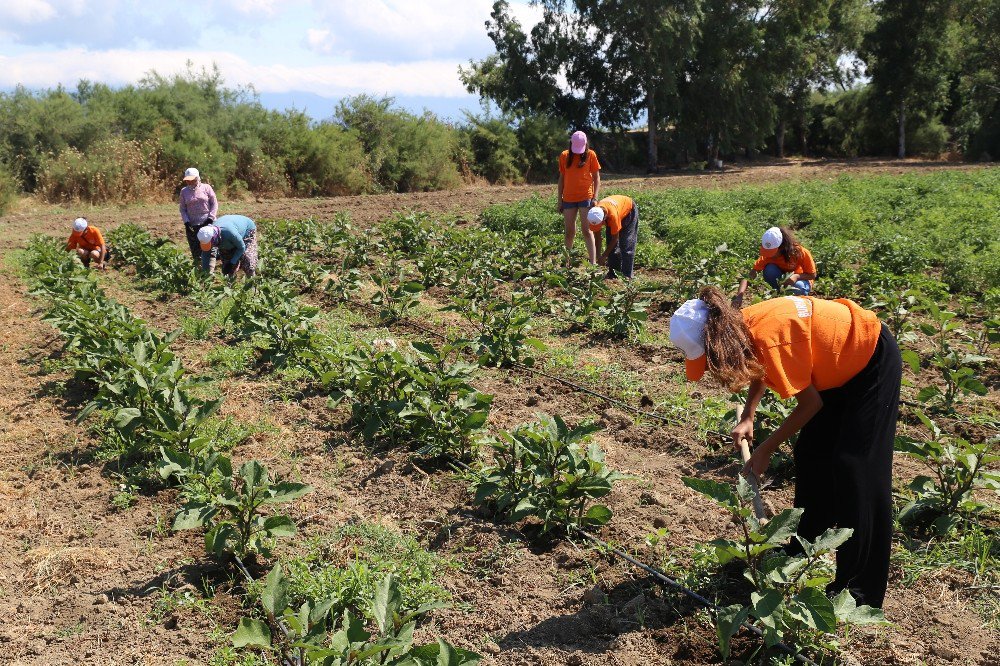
(709, 79)
(723, 77)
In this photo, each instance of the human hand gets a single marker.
(791, 279)
(602, 260)
(738, 300)
(559, 207)
(742, 431)
(759, 461)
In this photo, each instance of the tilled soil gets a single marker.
(84, 582)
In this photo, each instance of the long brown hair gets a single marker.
(584, 156)
(728, 345)
(790, 248)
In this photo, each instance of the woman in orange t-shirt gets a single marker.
(844, 369)
(579, 186)
(784, 262)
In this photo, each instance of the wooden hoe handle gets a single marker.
(758, 501)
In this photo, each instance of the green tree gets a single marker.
(621, 60)
(910, 55)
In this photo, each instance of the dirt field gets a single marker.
(85, 583)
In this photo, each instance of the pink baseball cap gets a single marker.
(578, 142)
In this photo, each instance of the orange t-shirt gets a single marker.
(805, 264)
(89, 239)
(616, 208)
(802, 340)
(578, 181)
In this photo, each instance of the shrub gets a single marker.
(113, 170)
(8, 189)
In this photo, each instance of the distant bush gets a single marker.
(406, 153)
(8, 189)
(113, 170)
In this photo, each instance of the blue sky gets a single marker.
(301, 53)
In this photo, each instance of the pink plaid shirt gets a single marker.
(198, 203)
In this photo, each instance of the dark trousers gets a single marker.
(191, 231)
(843, 472)
(622, 260)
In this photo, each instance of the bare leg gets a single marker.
(569, 223)
(588, 237)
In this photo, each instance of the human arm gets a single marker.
(744, 283)
(795, 277)
(183, 208)
(559, 191)
(603, 257)
(73, 242)
(744, 429)
(240, 248)
(213, 204)
(808, 403)
(597, 188)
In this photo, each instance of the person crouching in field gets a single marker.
(88, 242)
(784, 263)
(620, 216)
(199, 207)
(579, 185)
(234, 239)
(844, 369)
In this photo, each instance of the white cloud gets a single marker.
(26, 11)
(428, 78)
(401, 30)
(319, 40)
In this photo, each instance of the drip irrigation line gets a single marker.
(661, 578)
(556, 378)
(667, 581)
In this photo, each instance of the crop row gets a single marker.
(145, 400)
(385, 396)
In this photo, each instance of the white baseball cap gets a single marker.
(687, 332)
(772, 239)
(595, 215)
(191, 174)
(206, 235)
(79, 224)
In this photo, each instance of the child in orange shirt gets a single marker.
(782, 258)
(579, 185)
(620, 216)
(844, 369)
(88, 242)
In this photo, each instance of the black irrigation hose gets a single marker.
(663, 579)
(556, 378)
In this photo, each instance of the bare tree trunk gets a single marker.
(779, 151)
(902, 130)
(651, 151)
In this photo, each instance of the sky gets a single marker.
(305, 54)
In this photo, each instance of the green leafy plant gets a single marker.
(625, 313)
(957, 369)
(788, 598)
(234, 515)
(957, 468)
(541, 470)
(420, 397)
(311, 634)
(395, 296)
(269, 311)
(503, 327)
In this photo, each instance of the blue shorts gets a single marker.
(577, 204)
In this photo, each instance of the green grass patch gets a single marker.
(347, 565)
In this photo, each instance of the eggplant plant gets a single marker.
(788, 599)
(235, 517)
(310, 633)
(542, 470)
(945, 498)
